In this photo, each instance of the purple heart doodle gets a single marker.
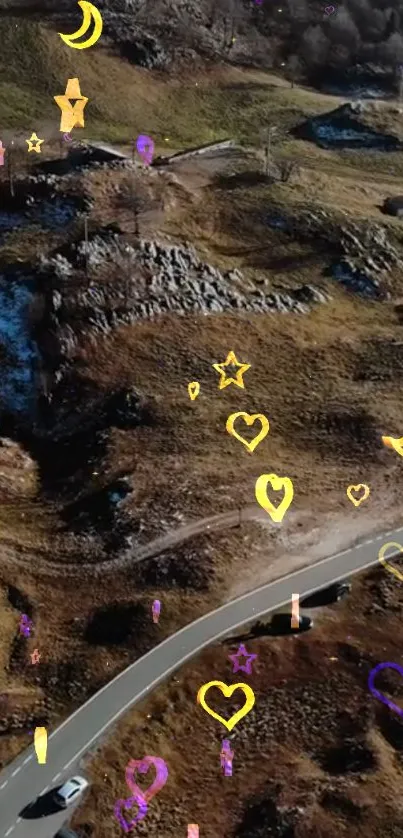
(127, 804)
(377, 693)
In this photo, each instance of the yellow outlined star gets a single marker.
(231, 361)
(34, 139)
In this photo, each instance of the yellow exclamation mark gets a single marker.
(41, 744)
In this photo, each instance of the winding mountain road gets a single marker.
(23, 780)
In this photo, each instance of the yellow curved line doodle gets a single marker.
(383, 561)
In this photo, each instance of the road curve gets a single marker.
(23, 780)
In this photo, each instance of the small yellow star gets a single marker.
(32, 140)
(231, 361)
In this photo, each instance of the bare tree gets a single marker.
(229, 13)
(135, 196)
(315, 46)
(10, 167)
(293, 68)
(392, 52)
(287, 168)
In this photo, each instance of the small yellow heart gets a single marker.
(250, 419)
(351, 489)
(227, 691)
(276, 512)
(386, 564)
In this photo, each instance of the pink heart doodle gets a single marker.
(142, 765)
(140, 797)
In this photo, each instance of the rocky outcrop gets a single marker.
(153, 280)
(363, 253)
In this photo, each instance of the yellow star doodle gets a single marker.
(225, 380)
(72, 115)
(31, 143)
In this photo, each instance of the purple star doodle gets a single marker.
(242, 653)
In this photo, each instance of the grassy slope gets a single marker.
(35, 65)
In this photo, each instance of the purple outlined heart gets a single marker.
(127, 804)
(377, 693)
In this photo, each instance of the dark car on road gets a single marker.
(326, 596)
(281, 624)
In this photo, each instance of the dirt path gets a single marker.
(150, 551)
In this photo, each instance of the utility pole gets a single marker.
(267, 135)
(400, 88)
(86, 242)
(10, 168)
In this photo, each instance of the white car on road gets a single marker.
(70, 791)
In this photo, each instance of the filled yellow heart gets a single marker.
(351, 489)
(227, 692)
(250, 419)
(386, 564)
(278, 483)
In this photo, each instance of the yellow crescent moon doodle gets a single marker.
(90, 12)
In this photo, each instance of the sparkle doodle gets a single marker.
(226, 757)
(156, 609)
(139, 797)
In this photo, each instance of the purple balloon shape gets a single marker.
(145, 148)
(377, 693)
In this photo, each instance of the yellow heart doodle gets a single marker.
(276, 512)
(227, 691)
(351, 489)
(250, 419)
(386, 564)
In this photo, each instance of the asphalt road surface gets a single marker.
(24, 779)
